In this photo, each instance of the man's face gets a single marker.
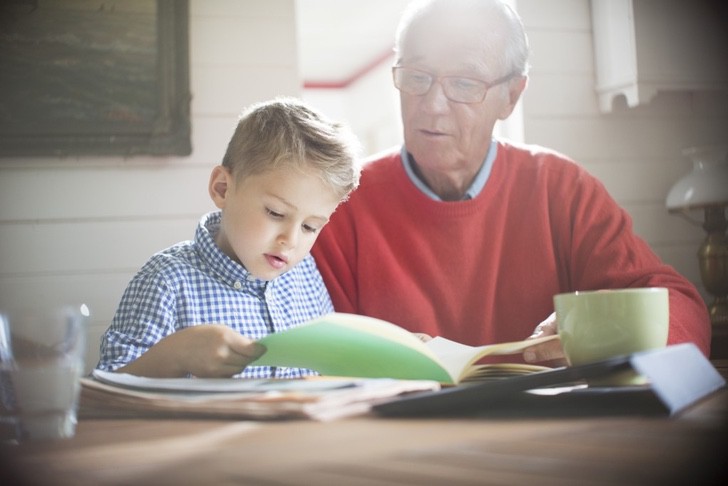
(441, 134)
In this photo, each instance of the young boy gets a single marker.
(197, 307)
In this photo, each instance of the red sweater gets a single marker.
(485, 270)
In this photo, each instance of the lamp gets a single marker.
(706, 188)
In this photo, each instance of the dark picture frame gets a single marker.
(94, 77)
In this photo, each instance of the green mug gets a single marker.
(599, 324)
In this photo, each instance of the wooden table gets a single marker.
(689, 449)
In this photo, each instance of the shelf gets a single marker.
(642, 47)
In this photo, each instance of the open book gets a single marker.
(340, 344)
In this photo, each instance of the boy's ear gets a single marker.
(220, 184)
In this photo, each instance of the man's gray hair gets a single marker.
(514, 57)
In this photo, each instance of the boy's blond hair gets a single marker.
(286, 133)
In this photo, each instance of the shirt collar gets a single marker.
(225, 269)
(477, 185)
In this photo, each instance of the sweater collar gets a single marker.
(478, 183)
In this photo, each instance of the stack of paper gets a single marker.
(107, 394)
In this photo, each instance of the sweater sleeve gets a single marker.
(335, 255)
(604, 252)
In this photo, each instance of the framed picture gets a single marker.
(94, 77)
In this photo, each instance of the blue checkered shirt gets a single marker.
(194, 282)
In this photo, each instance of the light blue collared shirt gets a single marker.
(478, 183)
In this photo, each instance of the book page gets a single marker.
(458, 358)
(352, 345)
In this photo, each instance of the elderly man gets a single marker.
(468, 237)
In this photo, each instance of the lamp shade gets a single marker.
(706, 185)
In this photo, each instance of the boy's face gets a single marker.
(271, 220)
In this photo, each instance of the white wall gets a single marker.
(77, 229)
(370, 106)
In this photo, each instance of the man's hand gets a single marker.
(209, 351)
(548, 351)
(422, 336)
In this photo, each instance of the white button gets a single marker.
(237, 285)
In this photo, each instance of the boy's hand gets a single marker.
(205, 351)
(213, 350)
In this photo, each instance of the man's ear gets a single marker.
(516, 87)
(220, 184)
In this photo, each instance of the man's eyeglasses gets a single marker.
(456, 88)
